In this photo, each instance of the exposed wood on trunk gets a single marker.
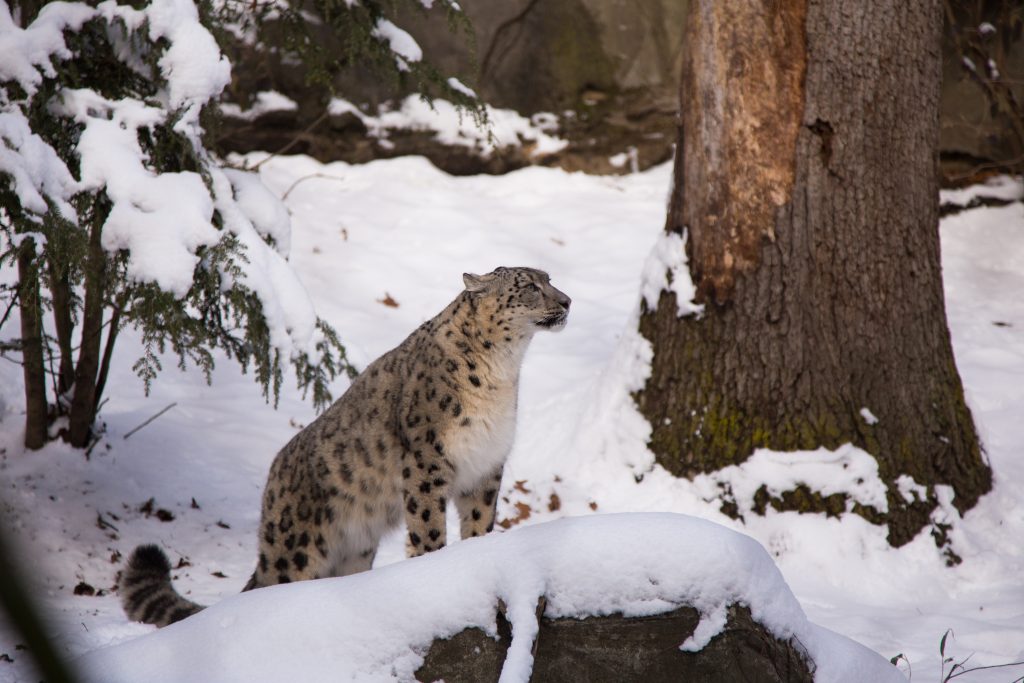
(844, 308)
(743, 80)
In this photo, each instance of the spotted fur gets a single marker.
(430, 421)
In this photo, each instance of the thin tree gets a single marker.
(806, 184)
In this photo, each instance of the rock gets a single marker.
(616, 649)
(613, 65)
(608, 68)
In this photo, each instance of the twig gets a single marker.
(7, 346)
(295, 140)
(104, 524)
(95, 442)
(989, 166)
(10, 306)
(981, 668)
(308, 177)
(150, 419)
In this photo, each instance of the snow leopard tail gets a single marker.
(146, 591)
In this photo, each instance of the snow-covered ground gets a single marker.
(381, 248)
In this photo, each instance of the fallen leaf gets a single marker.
(522, 515)
(219, 575)
(521, 486)
(84, 589)
(554, 503)
(388, 301)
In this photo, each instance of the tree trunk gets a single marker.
(806, 177)
(108, 353)
(61, 295)
(32, 346)
(83, 402)
(27, 10)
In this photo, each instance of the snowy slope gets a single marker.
(401, 232)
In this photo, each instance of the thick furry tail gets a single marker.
(146, 591)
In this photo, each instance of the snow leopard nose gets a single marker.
(562, 299)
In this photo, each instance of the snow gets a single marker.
(267, 101)
(36, 170)
(665, 270)
(26, 52)
(404, 46)
(192, 64)
(401, 228)
(456, 84)
(910, 490)
(868, 417)
(379, 623)
(454, 127)
(846, 470)
(264, 209)
(160, 219)
(286, 306)
(1007, 188)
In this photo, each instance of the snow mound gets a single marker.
(379, 624)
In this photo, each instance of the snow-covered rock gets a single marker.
(378, 625)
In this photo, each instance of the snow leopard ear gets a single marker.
(476, 283)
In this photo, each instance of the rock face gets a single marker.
(616, 649)
(608, 68)
(982, 87)
(613, 65)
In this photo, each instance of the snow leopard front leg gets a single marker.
(426, 482)
(477, 508)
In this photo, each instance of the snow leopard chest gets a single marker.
(479, 440)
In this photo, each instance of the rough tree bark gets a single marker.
(83, 401)
(31, 310)
(806, 178)
(61, 294)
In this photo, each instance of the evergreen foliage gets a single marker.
(329, 36)
(81, 67)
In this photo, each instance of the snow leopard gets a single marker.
(430, 421)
